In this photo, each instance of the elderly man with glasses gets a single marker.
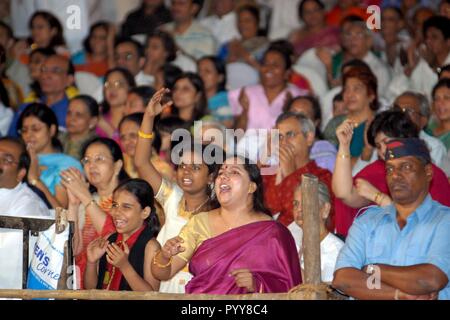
(57, 74)
(16, 200)
(296, 136)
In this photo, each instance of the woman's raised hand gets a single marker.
(73, 180)
(172, 247)
(154, 106)
(344, 132)
(244, 101)
(33, 172)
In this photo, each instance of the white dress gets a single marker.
(169, 196)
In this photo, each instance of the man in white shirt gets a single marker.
(17, 200)
(191, 37)
(222, 24)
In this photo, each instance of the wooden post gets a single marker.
(311, 229)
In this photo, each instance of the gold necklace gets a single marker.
(196, 209)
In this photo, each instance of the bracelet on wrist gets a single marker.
(344, 155)
(145, 135)
(160, 265)
(378, 197)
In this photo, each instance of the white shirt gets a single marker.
(422, 79)
(18, 202)
(224, 28)
(329, 251)
(143, 79)
(6, 115)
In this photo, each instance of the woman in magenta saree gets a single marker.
(237, 248)
(266, 248)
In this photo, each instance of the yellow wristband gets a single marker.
(344, 155)
(145, 135)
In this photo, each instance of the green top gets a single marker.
(445, 138)
(357, 143)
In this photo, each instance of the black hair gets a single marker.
(171, 73)
(315, 105)
(354, 63)
(9, 31)
(252, 9)
(128, 78)
(220, 67)
(89, 102)
(396, 10)
(200, 108)
(139, 48)
(167, 41)
(285, 49)
(45, 115)
(115, 151)
(439, 22)
(255, 176)
(443, 83)
(46, 52)
(170, 124)
(145, 195)
(394, 124)
(352, 18)
(86, 42)
(200, 5)
(58, 39)
(24, 158)
(338, 97)
(4, 96)
(443, 69)
(144, 92)
(301, 6)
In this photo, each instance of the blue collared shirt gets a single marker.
(59, 108)
(375, 237)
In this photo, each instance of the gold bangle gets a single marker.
(90, 202)
(159, 264)
(344, 155)
(377, 196)
(145, 135)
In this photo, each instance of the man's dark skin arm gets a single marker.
(417, 279)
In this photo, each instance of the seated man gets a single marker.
(406, 244)
(296, 133)
(57, 74)
(17, 200)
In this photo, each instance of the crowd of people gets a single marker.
(108, 128)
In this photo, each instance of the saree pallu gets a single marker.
(266, 248)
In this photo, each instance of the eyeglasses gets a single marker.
(54, 70)
(7, 160)
(98, 159)
(115, 84)
(289, 135)
(124, 56)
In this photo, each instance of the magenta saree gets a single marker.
(266, 248)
